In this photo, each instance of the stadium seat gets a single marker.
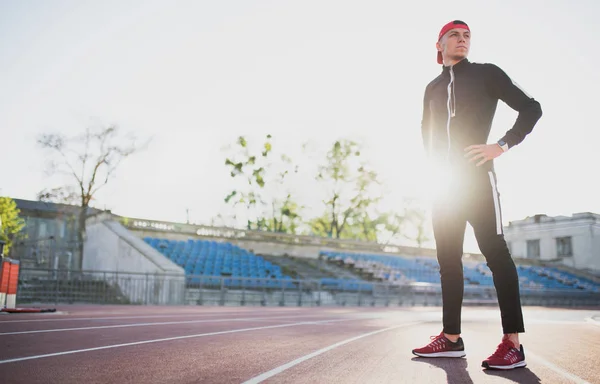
(211, 258)
(420, 269)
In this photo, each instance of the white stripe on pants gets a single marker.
(499, 229)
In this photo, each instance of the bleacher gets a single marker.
(402, 270)
(339, 278)
(346, 284)
(553, 278)
(390, 269)
(204, 261)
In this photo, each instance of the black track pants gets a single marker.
(477, 202)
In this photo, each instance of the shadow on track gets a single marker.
(456, 371)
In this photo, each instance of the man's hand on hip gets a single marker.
(485, 152)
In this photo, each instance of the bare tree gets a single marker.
(89, 160)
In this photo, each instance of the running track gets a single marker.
(123, 344)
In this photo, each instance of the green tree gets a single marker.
(89, 160)
(417, 228)
(353, 193)
(373, 227)
(262, 190)
(10, 221)
(377, 227)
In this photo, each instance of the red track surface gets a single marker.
(121, 344)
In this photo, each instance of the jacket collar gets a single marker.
(456, 67)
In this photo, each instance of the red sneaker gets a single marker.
(441, 347)
(506, 356)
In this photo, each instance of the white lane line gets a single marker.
(167, 339)
(281, 368)
(555, 368)
(560, 322)
(135, 317)
(593, 321)
(151, 324)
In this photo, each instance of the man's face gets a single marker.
(455, 44)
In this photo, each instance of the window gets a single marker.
(533, 249)
(563, 246)
(42, 230)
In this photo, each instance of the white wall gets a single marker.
(111, 247)
(132, 264)
(594, 259)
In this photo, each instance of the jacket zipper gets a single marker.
(451, 108)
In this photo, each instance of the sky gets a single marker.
(195, 75)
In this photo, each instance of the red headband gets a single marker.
(445, 29)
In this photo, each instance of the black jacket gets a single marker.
(459, 106)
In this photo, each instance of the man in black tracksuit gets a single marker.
(458, 109)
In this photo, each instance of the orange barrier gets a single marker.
(13, 284)
(9, 282)
(4, 277)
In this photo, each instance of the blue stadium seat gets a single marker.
(211, 258)
(426, 269)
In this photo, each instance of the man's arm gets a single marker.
(426, 131)
(529, 109)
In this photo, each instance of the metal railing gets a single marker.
(50, 286)
(46, 252)
(232, 234)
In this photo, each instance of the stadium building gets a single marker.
(132, 260)
(49, 237)
(573, 241)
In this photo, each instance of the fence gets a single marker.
(46, 252)
(50, 286)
